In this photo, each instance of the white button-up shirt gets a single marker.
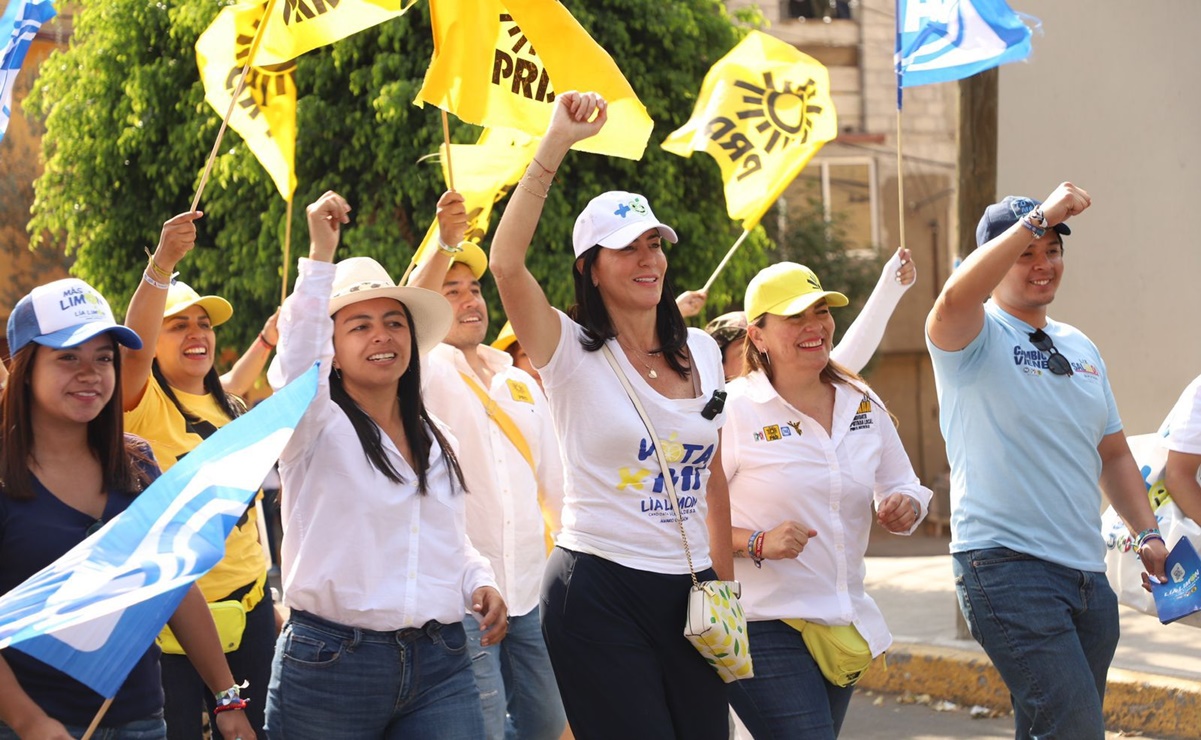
(358, 548)
(504, 519)
(782, 465)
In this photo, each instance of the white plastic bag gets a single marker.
(1122, 563)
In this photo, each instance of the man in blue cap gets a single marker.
(1032, 428)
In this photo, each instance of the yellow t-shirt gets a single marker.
(159, 422)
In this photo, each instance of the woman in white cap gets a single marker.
(377, 568)
(616, 588)
(808, 450)
(175, 399)
(66, 468)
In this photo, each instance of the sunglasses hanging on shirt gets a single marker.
(1056, 362)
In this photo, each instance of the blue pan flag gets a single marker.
(95, 611)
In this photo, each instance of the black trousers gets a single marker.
(616, 640)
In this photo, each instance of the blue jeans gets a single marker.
(788, 697)
(151, 728)
(1051, 632)
(334, 681)
(517, 684)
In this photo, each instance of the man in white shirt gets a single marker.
(510, 459)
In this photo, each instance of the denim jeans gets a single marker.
(1051, 632)
(788, 697)
(151, 728)
(517, 684)
(334, 681)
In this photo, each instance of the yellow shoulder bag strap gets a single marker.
(509, 427)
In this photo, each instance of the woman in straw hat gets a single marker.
(175, 399)
(616, 588)
(377, 568)
(808, 450)
(66, 468)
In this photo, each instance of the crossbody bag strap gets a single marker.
(667, 481)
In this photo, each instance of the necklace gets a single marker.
(650, 371)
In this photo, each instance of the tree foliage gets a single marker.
(128, 131)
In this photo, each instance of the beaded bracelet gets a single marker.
(1145, 534)
(521, 184)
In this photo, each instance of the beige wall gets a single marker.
(1111, 100)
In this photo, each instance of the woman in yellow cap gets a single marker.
(808, 449)
(174, 398)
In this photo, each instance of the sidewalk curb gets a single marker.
(1152, 705)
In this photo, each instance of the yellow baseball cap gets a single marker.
(786, 289)
(505, 339)
(181, 297)
(473, 257)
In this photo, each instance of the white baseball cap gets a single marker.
(614, 219)
(64, 313)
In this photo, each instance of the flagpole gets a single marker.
(900, 182)
(721, 266)
(450, 173)
(233, 101)
(96, 720)
(283, 295)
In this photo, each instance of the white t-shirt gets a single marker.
(615, 505)
(1183, 425)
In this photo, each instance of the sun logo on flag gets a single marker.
(788, 111)
(263, 83)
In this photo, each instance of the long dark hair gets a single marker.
(122, 457)
(230, 405)
(589, 311)
(419, 429)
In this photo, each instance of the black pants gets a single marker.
(616, 641)
(187, 698)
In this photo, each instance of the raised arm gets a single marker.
(240, 378)
(145, 312)
(958, 313)
(577, 116)
(864, 335)
(452, 227)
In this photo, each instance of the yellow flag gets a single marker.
(763, 112)
(265, 114)
(298, 26)
(499, 63)
(483, 171)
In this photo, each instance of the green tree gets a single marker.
(127, 133)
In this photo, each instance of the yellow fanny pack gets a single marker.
(229, 617)
(840, 652)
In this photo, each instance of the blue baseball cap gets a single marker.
(999, 217)
(64, 313)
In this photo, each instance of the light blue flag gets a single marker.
(95, 611)
(944, 40)
(21, 22)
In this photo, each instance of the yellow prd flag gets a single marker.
(265, 115)
(763, 112)
(484, 171)
(499, 62)
(298, 26)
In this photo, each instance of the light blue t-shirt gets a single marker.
(1022, 441)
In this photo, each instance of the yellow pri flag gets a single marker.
(764, 110)
(298, 26)
(265, 114)
(498, 63)
(484, 172)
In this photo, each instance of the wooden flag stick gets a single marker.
(254, 47)
(450, 173)
(900, 183)
(96, 720)
(722, 265)
(287, 251)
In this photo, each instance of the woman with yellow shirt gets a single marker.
(174, 399)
